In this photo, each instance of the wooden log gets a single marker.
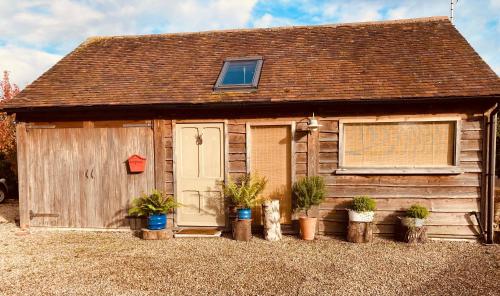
(137, 223)
(232, 215)
(148, 234)
(242, 230)
(360, 232)
(412, 234)
(272, 226)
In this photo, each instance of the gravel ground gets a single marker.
(110, 263)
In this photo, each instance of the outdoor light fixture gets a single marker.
(313, 124)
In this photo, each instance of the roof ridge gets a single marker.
(350, 24)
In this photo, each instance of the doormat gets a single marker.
(198, 232)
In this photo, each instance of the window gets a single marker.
(410, 146)
(239, 73)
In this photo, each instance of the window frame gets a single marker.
(450, 169)
(225, 67)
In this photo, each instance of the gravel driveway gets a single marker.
(108, 263)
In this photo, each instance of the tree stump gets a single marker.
(412, 234)
(360, 232)
(242, 230)
(232, 215)
(161, 234)
(272, 226)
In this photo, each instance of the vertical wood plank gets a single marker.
(174, 170)
(248, 145)
(22, 175)
(160, 151)
(312, 153)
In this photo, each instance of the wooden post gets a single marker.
(360, 232)
(160, 161)
(242, 230)
(313, 162)
(22, 167)
(312, 153)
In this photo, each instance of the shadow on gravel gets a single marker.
(9, 211)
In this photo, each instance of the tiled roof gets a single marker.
(406, 59)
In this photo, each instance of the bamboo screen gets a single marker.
(270, 157)
(399, 144)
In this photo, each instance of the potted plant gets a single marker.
(362, 209)
(244, 194)
(308, 192)
(415, 216)
(155, 207)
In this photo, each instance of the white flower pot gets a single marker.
(412, 222)
(361, 216)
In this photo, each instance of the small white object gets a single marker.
(313, 124)
(412, 222)
(361, 216)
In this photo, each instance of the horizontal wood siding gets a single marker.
(450, 198)
(237, 149)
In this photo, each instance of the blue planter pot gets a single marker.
(244, 214)
(157, 222)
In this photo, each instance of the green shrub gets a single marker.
(363, 204)
(245, 191)
(308, 191)
(417, 211)
(152, 204)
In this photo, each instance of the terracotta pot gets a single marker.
(307, 228)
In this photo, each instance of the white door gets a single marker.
(199, 159)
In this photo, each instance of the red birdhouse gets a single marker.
(136, 163)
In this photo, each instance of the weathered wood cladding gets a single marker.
(450, 198)
(77, 176)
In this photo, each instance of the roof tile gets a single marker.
(364, 61)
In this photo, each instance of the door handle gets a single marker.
(86, 173)
(92, 174)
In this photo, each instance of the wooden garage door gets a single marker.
(80, 174)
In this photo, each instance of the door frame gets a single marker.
(225, 145)
(248, 145)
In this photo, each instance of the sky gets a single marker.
(35, 34)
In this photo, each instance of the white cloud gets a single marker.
(477, 20)
(34, 34)
(495, 3)
(267, 21)
(24, 65)
(29, 28)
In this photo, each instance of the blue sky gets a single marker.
(35, 34)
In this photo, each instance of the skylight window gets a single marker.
(239, 73)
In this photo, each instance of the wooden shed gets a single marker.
(407, 113)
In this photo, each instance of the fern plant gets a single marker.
(417, 211)
(363, 204)
(308, 191)
(245, 191)
(152, 204)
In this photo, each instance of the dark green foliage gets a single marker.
(308, 191)
(154, 203)
(417, 211)
(245, 191)
(363, 204)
